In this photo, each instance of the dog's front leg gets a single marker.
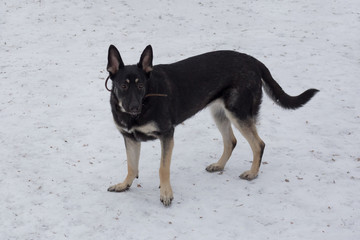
(133, 155)
(167, 145)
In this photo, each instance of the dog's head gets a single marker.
(129, 82)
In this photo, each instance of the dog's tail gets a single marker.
(273, 89)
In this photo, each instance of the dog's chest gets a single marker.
(149, 129)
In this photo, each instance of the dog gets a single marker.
(147, 102)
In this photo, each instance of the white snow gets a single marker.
(60, 149)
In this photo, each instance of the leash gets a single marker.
(106, 81)
(147, 95)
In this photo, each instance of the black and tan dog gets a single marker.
(147, 102)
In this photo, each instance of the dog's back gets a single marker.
(195, 82)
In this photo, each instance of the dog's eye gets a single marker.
(124, 86)
(140, 85)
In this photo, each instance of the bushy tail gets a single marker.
(273, 89)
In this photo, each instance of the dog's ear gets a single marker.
(146, 58)
(114, 60)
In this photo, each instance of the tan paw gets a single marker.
(166, 195)
(214, 168)
(121, 187)
(248, 175)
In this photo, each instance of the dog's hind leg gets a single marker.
(133, 155)
(229, 140)
(248, 130)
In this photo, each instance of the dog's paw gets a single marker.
(215, 167)
(121, 187)
(248, 175)
(166, 195)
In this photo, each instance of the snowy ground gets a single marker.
(60, 149)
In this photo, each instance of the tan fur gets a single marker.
(166, 193)
(248, 130)
(229, 140)
(223, 119)
(133, 155)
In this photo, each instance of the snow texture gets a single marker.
(60, 150)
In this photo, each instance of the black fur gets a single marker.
(279, 96)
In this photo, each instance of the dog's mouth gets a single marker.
(134, 113)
